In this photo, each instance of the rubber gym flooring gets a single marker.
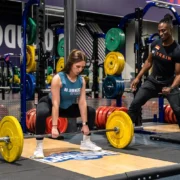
(143, 158)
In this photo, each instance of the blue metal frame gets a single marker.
(23, 63)
(161, 109)
(131, 16)
(155, 4)
(101, 35)
(150, 39)
(59, 31)
(125, 19)
(119, 101)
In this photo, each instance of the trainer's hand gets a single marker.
(166, 90)
(54, 132)
(134, 84)
(85, 130)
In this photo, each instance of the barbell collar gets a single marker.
(5, 139)
(138, 128)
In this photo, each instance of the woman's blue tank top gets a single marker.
(70, 91)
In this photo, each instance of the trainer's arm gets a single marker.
(147, 65)
(82, 102)
(55, 90)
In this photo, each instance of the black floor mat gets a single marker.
(140, 146)
(27, 169)
(167, 137)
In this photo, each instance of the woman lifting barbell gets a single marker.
(66, 87)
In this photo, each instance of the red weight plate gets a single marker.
(31, 121)
(165, 116)
(28, 113)
(96, 119)
(125, 109)
(105, 115)
(100, 117)
(62, 124)
(111, 109)
(97, 110)
(168, 108)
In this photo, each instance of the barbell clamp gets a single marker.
(116, 129)
(5, 139)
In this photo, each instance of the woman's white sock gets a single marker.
(85, 137)
(39, 143)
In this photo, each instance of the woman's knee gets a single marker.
(42, 111)
(91, 112)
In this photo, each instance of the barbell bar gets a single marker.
(119, 131)
(7, 139)
(9, 88)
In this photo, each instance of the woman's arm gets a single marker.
(82, 102)
(55, 90)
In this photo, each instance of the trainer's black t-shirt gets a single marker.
(164, 59)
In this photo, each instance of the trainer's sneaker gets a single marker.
(38, 153)
(89, 145)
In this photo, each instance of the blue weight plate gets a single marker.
(121, 87)
(110, 87)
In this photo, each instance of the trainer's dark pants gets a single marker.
(150, 90)
(44, 109)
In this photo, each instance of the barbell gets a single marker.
(119, 131)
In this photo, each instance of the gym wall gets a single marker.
(10, 36)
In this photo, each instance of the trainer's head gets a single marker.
(165, 28)
(76, 62)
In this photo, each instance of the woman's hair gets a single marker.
(168, 20)
(75, 56)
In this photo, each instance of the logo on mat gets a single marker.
(76, 155)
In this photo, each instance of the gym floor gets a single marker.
(143, 155)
